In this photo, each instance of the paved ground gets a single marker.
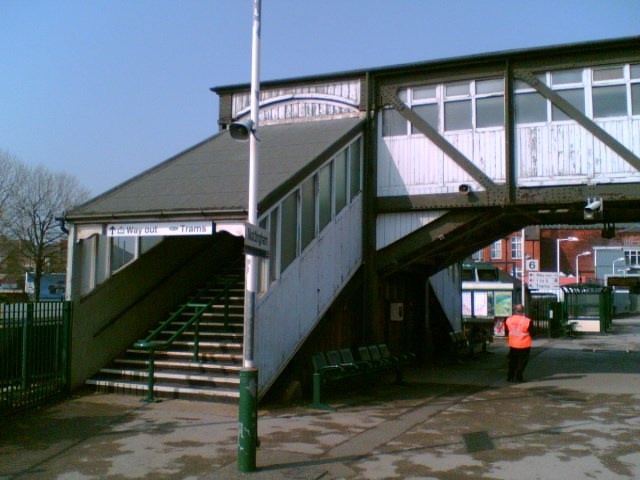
(577, 417)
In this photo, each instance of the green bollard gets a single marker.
(248, 413)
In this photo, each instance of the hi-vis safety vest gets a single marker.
(518, 326)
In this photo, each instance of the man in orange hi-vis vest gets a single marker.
(519, 343)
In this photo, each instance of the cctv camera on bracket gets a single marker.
(593, 209)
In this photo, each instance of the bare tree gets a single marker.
(9, 167)
(38, 198)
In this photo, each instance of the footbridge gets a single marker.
(469, 152)
(372, 183)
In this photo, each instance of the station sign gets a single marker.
(159, 229)
(256, 240)
(543, 280)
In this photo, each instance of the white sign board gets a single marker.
(532, 265)
(256, 241)
(543, 280)
(159, 229)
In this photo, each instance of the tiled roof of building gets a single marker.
(212, 177)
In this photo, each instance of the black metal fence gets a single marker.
(34, 353)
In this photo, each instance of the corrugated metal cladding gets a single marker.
(213, 175)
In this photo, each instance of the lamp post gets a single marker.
(578, 264)
(568, 239)
(613, 265)
(248, 401)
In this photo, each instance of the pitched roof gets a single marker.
(212, 177)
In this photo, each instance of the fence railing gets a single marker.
(34, 353)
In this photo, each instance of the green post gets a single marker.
(248, 413)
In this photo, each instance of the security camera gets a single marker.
(241, 130)
(593, 209)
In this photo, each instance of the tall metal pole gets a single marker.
(248, 404)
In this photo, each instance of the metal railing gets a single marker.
(34, 353)
(151, 344)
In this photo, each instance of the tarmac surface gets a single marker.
(577, 416)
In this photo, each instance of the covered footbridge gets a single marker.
(373, 185)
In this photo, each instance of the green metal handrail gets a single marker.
(151, 345)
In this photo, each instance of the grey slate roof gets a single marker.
(212, 177)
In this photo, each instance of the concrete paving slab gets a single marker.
(577, 416)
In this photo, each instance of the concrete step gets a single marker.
(180, 365)
(176, 378)
(166, 391)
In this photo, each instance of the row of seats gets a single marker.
(336, 365)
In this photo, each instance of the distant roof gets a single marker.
(211, 178)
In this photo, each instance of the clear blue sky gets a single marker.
(104, 89)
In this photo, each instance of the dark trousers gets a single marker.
(518, 359)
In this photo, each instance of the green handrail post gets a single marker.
(226, 303)
(150, 380)
(196, 340)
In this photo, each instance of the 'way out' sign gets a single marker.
(159, 229)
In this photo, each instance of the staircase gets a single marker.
(214, 375)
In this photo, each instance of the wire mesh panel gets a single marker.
(34, 346)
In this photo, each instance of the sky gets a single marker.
(105, 89)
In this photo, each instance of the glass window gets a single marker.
(429, 113)
(324, 196)
(496, 250)
(495, 85)
(468, 275)
(520, 84)
(354, 165)
(575, 97)
(147, 243)
(340, 169)
(489, 112)
(564, 77)
(273, 245)
(530, 108)
(635, 71)
(393, 123)
(477, 256)
(609, 101)
(457, 115)
(516, 247)
(308, 212)
(263, 264)
(422, 93)
(635, 98)
(456, 89)
(123, 251)
(608, 73)
(289, 230)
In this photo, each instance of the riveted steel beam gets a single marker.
(579, 117)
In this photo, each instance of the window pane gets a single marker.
(574, 97)
(393, 123)
(530, 108)
(635, 98)
(522, 85)
(454, 89)
(354, 165)
(420, 93)
(341, 180)
(123, 251)
(635, 71)
(308, 213)
(289, 230)
(495, 85)
(263, 264)
(147, 243)
(608, 73)
(273, 246)
(516, 251)
(490, 112)
(457, 115)
(428, 113)
(566, 76)
(609, 101)
(324, 196)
